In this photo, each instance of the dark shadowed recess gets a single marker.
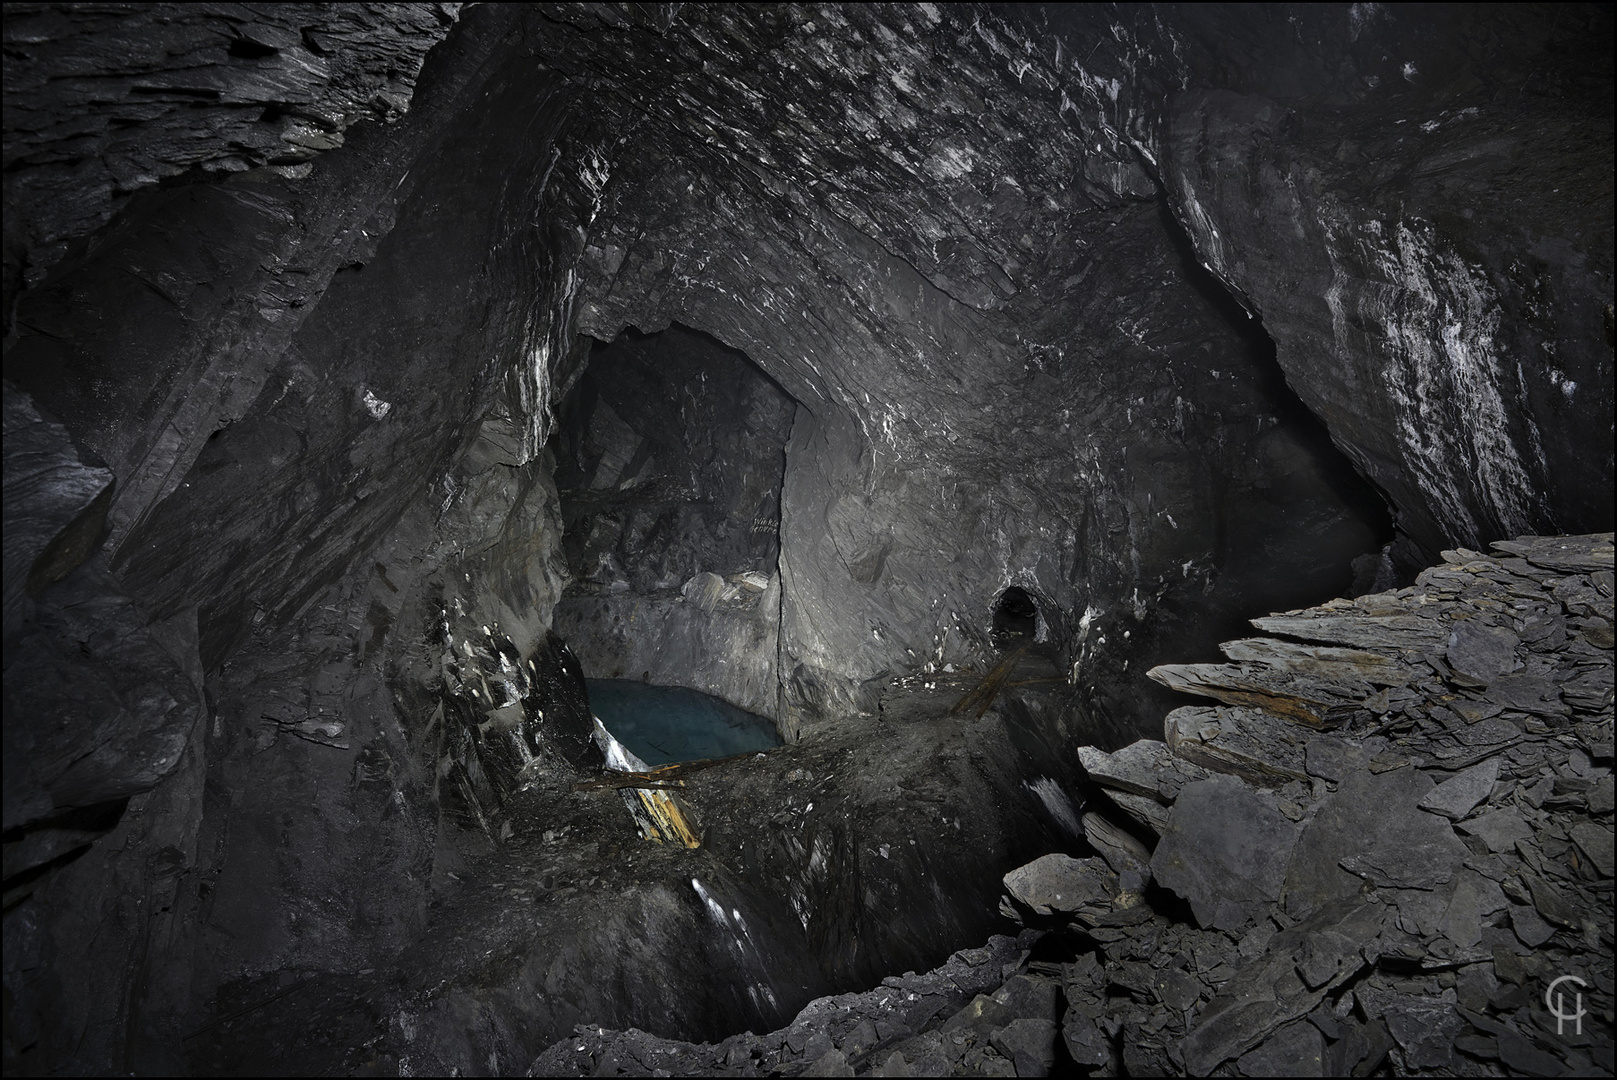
(1311, 527)
(1016, 618)
(1273, 561)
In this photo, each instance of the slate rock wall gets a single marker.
(968, 324)
(103, 102)
(323, 389)
(320, 444)
(1422, 217)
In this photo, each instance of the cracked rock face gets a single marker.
(375, 371)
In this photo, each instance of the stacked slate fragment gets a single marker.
(1376, 853)
(1392, 836)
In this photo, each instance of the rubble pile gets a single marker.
(1393, 836)
(1389, 846)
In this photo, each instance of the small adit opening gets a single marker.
(1016, 618)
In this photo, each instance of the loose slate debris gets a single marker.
(1386, 876)
(1215, 739)
(1060, 883)
(1458, 796)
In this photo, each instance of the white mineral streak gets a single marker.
(595, 172)
(1209, 242)
(714, 908)
(1361, 16)
(745, 948)
(1058, 804)
(952, 162)
(1091, 613)
(618, 756)
(623, 759)
(511, 679)
(1440, 318)
(544, 335)
(376, 406)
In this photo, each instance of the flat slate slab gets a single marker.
(1482, 652)
(1457, 796)
(1320, 661)
(1225, 851)
(1499, 830)
(1061, 883)
(1394, 631)
(1590, 552)
(1372, 828)
(1241, 742)
(1147, 768)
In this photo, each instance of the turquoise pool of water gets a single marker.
(664, 724)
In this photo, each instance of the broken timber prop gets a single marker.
(663, 817)
(628, 780)
(981, 696)
(657, 812)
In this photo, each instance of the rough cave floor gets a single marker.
(855, 853)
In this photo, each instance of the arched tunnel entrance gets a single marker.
(1016, 618)
(669, 459)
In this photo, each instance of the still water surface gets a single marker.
(664, 724)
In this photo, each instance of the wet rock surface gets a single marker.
(1405, 904)
(670, 457)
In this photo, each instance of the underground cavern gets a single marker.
(808, 539)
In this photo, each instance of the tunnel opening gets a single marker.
(1274, 553)
(1293, 521)
(669, 460)
(1016, 618)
